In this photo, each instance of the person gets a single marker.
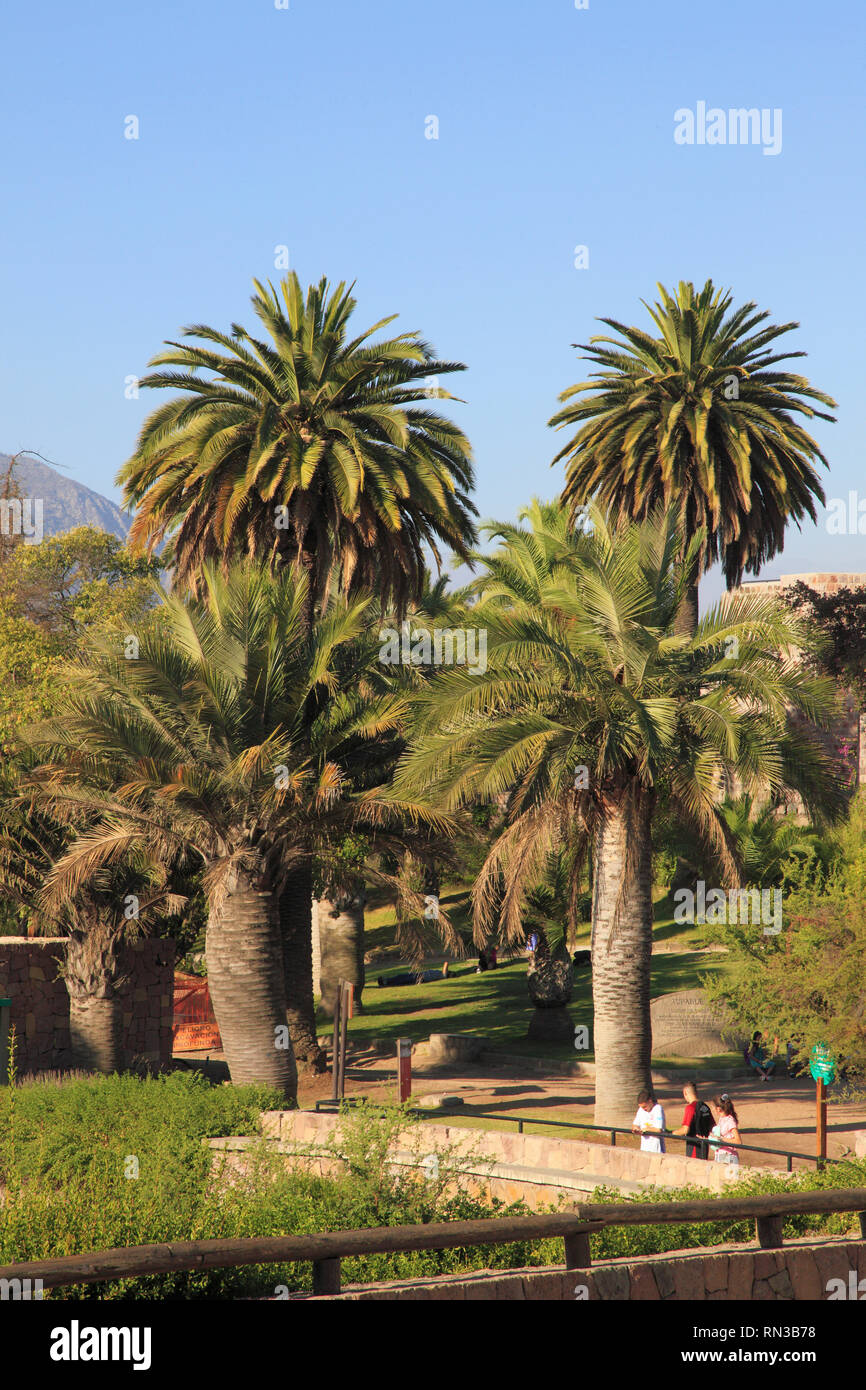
(491, 957)
(725, 1131)
(649, 1123)
(697, 1122)
(757, 1057)
(482, 963)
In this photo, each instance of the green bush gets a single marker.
(620, 1241)
(70, 1152)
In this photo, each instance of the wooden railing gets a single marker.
(326, 1251)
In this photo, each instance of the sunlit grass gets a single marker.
(495, 1004)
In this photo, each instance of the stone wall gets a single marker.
(29, 976)
(801, 1270)
(528, 1166)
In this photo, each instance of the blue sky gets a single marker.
(305, 127)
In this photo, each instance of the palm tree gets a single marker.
(700, 417)
(94, 920)
(311, 447)
(592, 709)
(306, 445)
(205, 739)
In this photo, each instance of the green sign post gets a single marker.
(822, 1065)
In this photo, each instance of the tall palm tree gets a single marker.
(697, 415)
(590, 710)
(205, 740)
(306, 445)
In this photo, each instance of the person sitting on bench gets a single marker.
(757, 1057)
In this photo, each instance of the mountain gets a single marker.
(65, 503)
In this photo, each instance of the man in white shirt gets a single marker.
(649, 1123)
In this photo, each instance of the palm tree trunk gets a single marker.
(622, 921)
(341, 946)
(296, 931)
(93, 972)
(244, 964)
(96, 1034)
(308, 613)
(686, 620)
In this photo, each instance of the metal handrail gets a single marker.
(696, 1139)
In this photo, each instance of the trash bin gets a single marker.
(5, 1007)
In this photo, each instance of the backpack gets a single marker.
(703, 1119)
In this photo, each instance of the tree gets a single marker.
(338, 931)
(307, 446)
(95, 919)
(701, 418)
(805, 985)
(205, 738)
(840, 621)
(51, 596)
(590, 705)
(772, 848)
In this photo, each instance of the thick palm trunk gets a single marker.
(622, 919)
(95, 1033)
(245, 975)
(93, 973)
(296, 931)
(341, 946)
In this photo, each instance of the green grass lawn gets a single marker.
(496, 1004)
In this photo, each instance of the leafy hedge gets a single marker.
(114, 1161)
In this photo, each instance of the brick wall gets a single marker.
(29, 976)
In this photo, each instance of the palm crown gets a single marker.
(699, 416)
(306, 444)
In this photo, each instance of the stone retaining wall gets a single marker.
(800, 1270)
(520, 1157)
(29, 976)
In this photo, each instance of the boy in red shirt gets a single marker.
(697, 1122)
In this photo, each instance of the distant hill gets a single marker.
(66, 503)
